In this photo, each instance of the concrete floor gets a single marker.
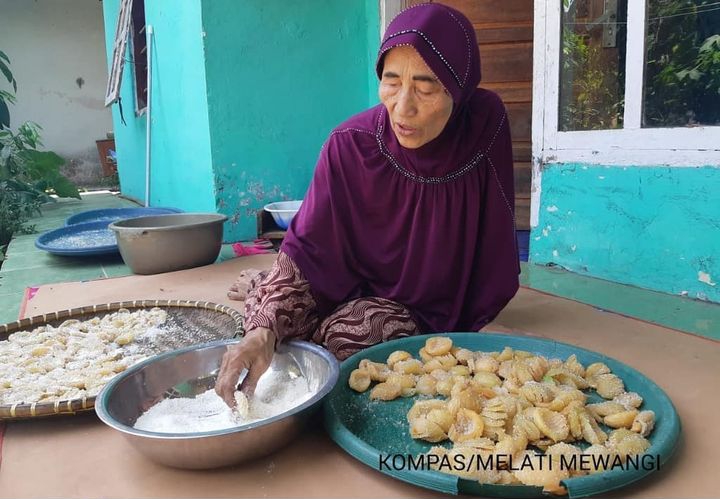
(26, 266)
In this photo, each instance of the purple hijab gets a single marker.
(431, 228)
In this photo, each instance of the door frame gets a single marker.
(388, 10)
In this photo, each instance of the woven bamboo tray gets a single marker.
(199, 321)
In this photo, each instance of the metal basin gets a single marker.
(164, 243)
(190, 371)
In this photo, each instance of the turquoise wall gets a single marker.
(181, 156)
(244, 95)
(652, 227)
(372, 45)
(129, 138)
(280, 76)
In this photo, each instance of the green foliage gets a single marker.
(682, 69)
(682, 76)
(590, 96)
(5, 96)
(5, 70)
(27, 178)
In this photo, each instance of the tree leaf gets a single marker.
(7, 97)
(6, 71)
(24, 191)
(709, 42)
(65, 188)
(42, 164)
(5, 154)
(30, 133)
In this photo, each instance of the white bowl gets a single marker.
(283, 212)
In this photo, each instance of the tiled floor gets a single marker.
(27, 266)
(692, 316)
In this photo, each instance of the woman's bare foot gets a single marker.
(239, 289)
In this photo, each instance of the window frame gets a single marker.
(122, 27)
(388, 10)
(139, 53)
(631, 145)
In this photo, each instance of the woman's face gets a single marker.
(418, 105)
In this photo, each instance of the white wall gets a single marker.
(52, 43)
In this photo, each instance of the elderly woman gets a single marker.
(407, 227)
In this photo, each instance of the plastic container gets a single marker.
(283, 212)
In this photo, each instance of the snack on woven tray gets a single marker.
(499, 404)
(74, 359)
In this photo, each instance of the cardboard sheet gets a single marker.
(78, 456)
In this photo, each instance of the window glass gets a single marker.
(592, 64)
(682, 64)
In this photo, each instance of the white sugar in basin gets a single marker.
(192, 371)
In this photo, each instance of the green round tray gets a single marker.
(368, 429)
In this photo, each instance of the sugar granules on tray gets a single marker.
(276, 392)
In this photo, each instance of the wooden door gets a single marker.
(504, 30)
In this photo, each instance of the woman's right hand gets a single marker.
(255, 354)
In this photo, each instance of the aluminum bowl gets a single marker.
(164, 243)
(191, 371)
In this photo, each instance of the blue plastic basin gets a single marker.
(109, 215)
(83, 239)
